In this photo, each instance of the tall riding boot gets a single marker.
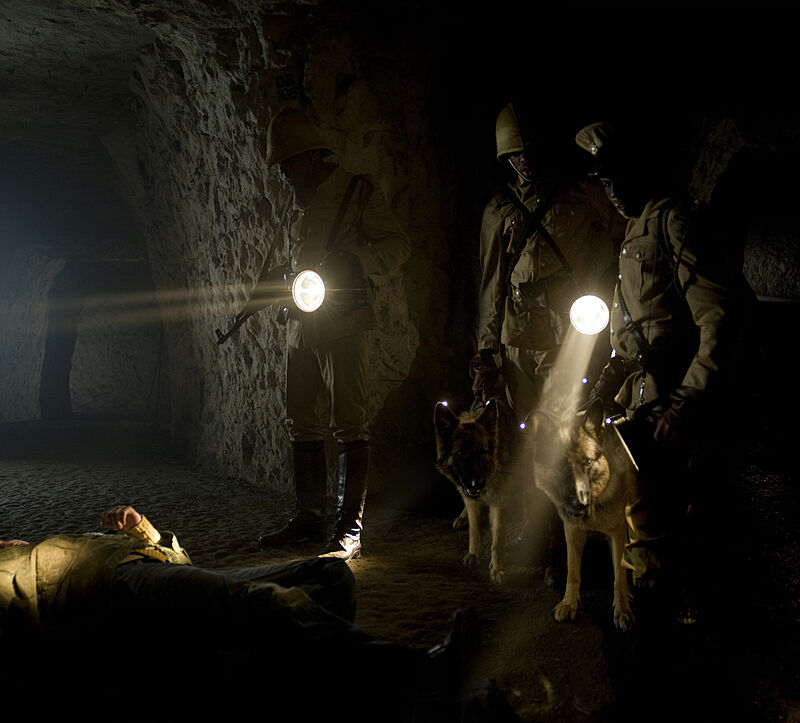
(345, 542)
(310, 482)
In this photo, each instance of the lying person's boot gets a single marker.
(485, 703)
(304, 527)
(446, 674)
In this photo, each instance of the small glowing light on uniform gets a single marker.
(308, 290)
(584, 380)
(608, 420)
(522, 425)
(589, 314)
(444, 402)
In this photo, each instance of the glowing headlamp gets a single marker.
(589, 314)
(308, 290)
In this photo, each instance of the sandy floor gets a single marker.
(740, 662)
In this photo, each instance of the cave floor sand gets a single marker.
(740, 659)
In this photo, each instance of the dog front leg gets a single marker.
(460, 522)
(623, 615)
(473, 514)
(497, 520)
(567, 609)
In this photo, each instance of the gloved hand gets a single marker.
(609, 382)
(485, 375)
(676, 424)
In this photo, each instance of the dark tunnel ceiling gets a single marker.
(64, 70)
(65, 66)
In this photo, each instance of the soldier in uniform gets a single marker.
(343, 227)
(546, 239)
(674, 336)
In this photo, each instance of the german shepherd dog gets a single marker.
(581, 465)
(473, 451)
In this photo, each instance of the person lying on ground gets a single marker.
(291, 624)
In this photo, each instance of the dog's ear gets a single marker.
(594, 417)
(444, 421)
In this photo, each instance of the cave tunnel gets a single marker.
(136, 210)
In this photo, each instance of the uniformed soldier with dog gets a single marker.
(675, 326)
(548, 237)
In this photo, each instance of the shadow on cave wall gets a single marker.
(103, 349)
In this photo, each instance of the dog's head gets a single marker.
(570, 463)
(470, 447)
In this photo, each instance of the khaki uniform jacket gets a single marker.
(692, 331)
(64, 575)
(583, 225)
(369, 230)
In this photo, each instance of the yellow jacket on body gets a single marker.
(46, 582)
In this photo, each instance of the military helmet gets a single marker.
(596, 138)
(611, 147)
(291, 132)
(508, 133)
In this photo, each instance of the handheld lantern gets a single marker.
(589, 314)
(308, 290)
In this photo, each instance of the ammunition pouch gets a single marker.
(553, 293)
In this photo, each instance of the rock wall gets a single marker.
(117, 369)
(402, 96)
(25, 280)
(205, 92)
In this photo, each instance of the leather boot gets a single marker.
(345, 542)
(310, 482)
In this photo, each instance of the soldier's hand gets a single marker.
(485, 375)
(675, 425)
(609, 382)
(120, 518)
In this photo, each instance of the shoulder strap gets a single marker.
(533, 221)
(665, 244)
(630, 325)
(334, 230)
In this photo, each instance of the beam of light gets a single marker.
(565, 386)
(140, 308)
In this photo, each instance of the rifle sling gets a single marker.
(332, 244)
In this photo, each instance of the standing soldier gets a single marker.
(545, 240)
(341, 226)
(674, 331)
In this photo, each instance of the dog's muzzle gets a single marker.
(472, 488)
(578, 504)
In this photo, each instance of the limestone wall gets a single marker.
(25, 280)
(205, 93)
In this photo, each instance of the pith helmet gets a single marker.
(508, 133)
(292, 132)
